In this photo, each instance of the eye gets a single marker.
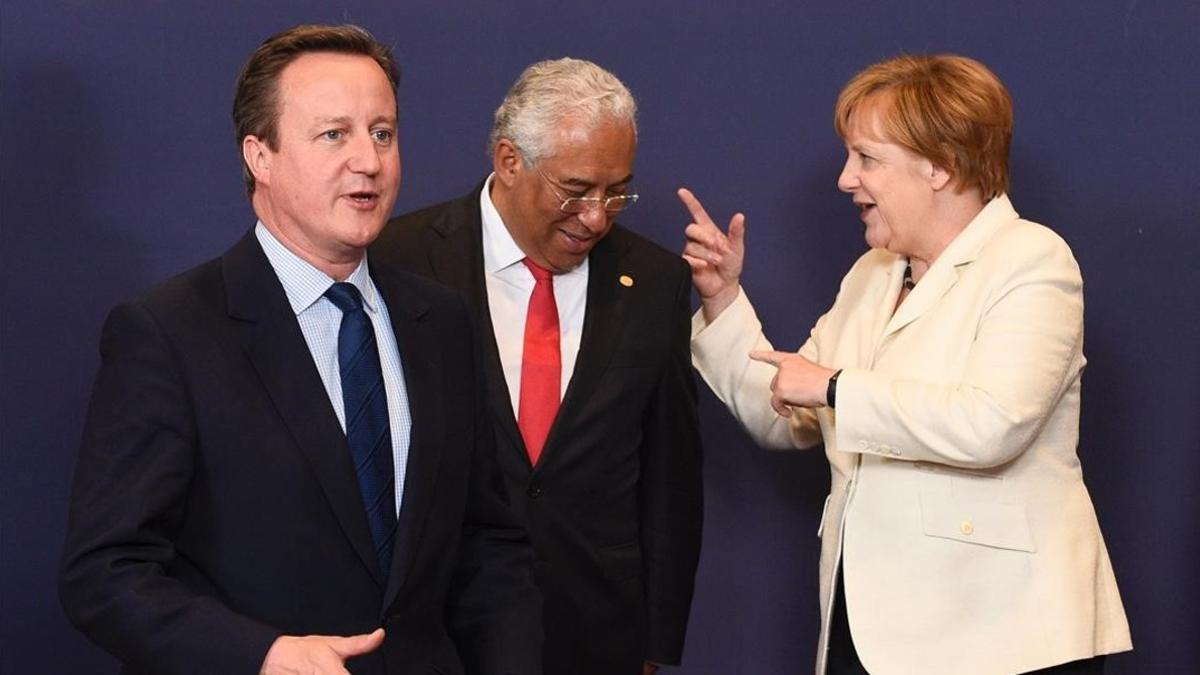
(333, 135)
(383, 136)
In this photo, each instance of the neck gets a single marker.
(952, 214)
(338, 268)
(502, 198)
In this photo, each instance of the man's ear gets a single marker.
(507, 162)
(257, 156)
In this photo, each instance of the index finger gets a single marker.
(773, 358)
(693, 205)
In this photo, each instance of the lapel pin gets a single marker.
(626, 281)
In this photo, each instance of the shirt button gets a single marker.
(967, 527)
(534, 491)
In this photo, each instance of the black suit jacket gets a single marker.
(215, 506)
(614, 505)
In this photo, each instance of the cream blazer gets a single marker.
(957, 507)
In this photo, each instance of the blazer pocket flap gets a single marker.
(984, 523)
(623, 561)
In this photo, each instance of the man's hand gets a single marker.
(797, 382)
(317, 654)
(715, 258)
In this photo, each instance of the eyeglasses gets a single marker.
(613, 204)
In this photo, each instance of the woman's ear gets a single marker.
(939, 177)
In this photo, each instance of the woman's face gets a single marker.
(892, 186)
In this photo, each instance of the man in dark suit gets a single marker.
(287, 465)
(589, 376)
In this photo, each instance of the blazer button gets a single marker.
(534, 491)
(967, 527)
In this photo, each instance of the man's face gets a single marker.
(328, 189)
(585, 160)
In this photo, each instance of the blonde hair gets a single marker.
(949, 109)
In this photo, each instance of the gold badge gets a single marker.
(626, 281)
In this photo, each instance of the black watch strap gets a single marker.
(831, 390)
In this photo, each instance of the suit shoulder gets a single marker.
(1022, 243)
(647, 252)
(182, 292)
(432, 292)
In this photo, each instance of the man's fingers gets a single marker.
(355, 645)
(773, 358)
(693, 205)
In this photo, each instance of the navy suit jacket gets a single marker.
(215, 506)
(614, 504)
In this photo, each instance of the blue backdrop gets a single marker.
(118, 168)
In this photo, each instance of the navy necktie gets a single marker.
(368, 432)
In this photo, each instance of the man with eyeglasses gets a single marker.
(590, 381)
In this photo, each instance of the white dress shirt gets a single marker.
(509, 285)
(320, 320)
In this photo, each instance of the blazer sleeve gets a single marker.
(1025, 352)
(721, 353)
(671, 493)
(130, 490)
(494, 609)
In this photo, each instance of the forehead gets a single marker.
(606, 144)
(866, 123)
(317, 82)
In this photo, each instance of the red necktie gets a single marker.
(541, 364)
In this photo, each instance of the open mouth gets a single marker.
(363, 198)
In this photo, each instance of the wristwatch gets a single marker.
(831, 389)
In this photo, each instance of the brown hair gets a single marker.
(255, 105)
(949, 109)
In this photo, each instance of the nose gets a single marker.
(364, 156)
(848, 179)
(594, 217)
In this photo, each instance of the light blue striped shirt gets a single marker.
(320, 320)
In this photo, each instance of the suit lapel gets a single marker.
(276, 348)
(457, 261)
(944, 272)
(602, 323)
(933, 286)
(420, 357)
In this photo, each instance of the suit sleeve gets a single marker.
(495, 611)
(721, 352)
(671, 493)
(1025, 353)
(129, 494)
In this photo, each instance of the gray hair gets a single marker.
(549, 91)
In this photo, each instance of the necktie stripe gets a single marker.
(368, 430)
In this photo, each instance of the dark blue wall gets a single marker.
(118, 168)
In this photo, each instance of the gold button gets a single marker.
(626, 281)
(966, 527)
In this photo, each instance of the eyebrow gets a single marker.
(581, 183)
(344, 120)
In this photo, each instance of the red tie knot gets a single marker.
(539, 273)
